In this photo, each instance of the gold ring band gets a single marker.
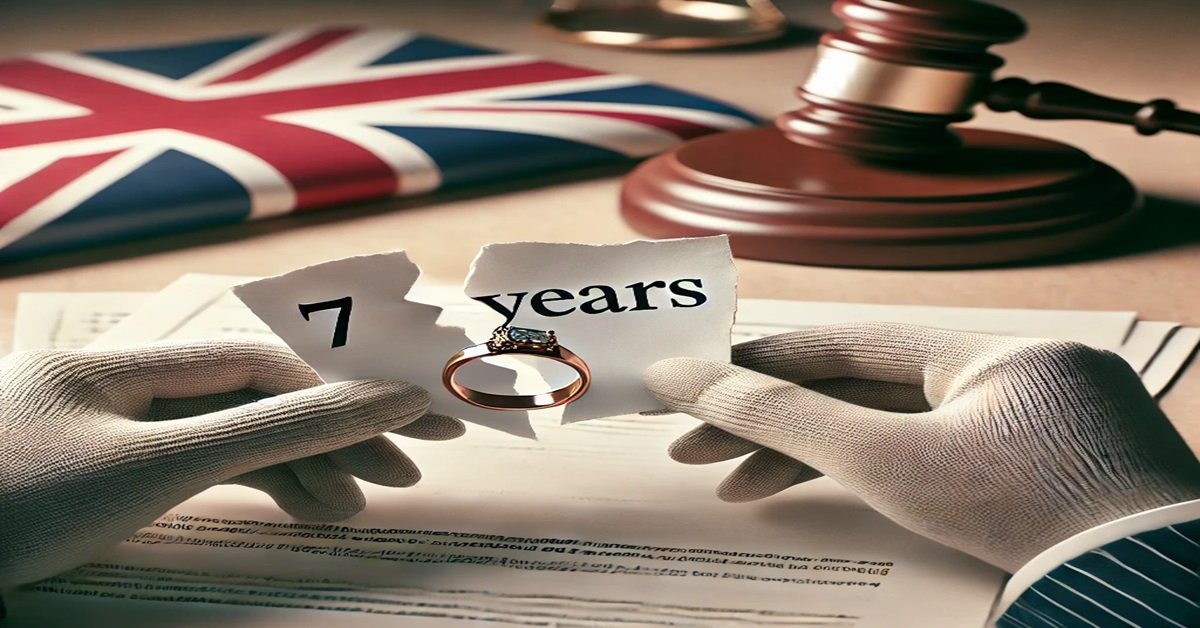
(518, 341)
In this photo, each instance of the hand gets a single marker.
(95, 445)
(997, 446)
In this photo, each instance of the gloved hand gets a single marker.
(997, 446)
(95, 445)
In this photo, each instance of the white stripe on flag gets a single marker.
(246, 57)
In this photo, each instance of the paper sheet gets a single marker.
(1171, 360)
(1156, 350)
(1100, 329)
(192, 302)
(350, 319)
(600, 482)
(620, 307)
(1144, 342)
(69, 320)
(589, 526)
(192, 307)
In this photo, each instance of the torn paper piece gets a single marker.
(349, 319)
(620, 307)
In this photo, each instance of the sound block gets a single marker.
(1001, 198)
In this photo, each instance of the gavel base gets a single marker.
(1002, 198)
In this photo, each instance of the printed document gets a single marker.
(590, 525)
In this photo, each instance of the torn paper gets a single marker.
(620, 307)
(349, 319)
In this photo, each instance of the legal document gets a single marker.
(590, 525)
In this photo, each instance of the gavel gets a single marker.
(868, 171)
(889, 84)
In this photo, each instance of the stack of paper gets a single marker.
(591, 525)
(1157, 350)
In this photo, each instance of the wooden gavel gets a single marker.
(888, 85)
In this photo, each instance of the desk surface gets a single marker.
(1138, 50)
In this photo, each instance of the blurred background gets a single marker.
(1137, 50)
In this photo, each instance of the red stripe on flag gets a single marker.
(286, 56)
(683, 128)
(323, 169)
(121, 109)
(24, 194)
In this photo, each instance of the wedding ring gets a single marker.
(518, 341)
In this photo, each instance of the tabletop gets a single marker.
(1137, 50)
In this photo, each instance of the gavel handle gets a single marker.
(1060, 101)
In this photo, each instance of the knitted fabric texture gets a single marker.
(95, 445)
(997, 446)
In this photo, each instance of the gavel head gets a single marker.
(890, 82)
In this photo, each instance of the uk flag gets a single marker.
(104, 146)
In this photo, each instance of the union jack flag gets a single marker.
(104, 146)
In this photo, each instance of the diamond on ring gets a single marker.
(509, 338)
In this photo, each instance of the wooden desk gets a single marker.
(1137, 50)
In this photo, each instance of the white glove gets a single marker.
(95, 445)
(1000, 447)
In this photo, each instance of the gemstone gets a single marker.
(528, 336)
